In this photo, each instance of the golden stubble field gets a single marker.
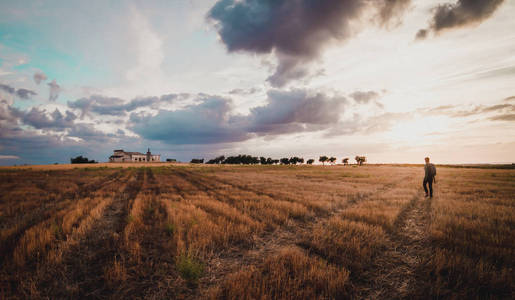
(255, 232)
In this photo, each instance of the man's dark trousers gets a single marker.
(428, 181)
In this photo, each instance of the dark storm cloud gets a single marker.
(208, 122)
(55, 137)
(295, 111)
(115, 106)
(39, 76)
(296, 31)
(460, 14)
(41, 119)
(55, 89)
(99, 105)
(25, 94)
(8, 117)
(211, 121)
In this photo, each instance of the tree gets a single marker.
(301, 160)
(241, 159)
(360, 159)
(217, 160)
(262, 160)
(197, 161)
(323, 159)
(345, 161)
(294, 160)
(332, 160)
(285, 161)
(81, 160)
(310, 161)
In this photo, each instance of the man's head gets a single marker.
(427, 160)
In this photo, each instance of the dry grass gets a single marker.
(473, 233)
(253, 232)
(290, 274)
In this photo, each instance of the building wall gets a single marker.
(135, 157)
(139, 158)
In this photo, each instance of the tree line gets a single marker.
(244, 159)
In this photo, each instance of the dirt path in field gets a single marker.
(394, 274)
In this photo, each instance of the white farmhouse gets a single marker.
(122, 156)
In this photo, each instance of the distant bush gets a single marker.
(197, 161)
(81, 160)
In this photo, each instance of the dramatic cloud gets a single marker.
(55, 89)
(206, 123)
(99, 105)
(22, 93)
(211, 120)
(39, 76)
(115, 106)
(25, 94)
(40, 119)
(460, 14)
(8, 118)
(295, 111)
(296, 31)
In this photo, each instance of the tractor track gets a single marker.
(394, 274)
(270, 242)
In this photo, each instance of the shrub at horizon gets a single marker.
(81, 160)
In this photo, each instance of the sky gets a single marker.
(393, 80)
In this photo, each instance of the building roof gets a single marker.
(117, 152)
(134, 153)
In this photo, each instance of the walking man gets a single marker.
(430, 173)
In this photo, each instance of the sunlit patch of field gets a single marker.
(248, 232)
(473, 234)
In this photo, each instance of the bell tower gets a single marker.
(149, 155)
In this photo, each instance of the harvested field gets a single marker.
(177, 231)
